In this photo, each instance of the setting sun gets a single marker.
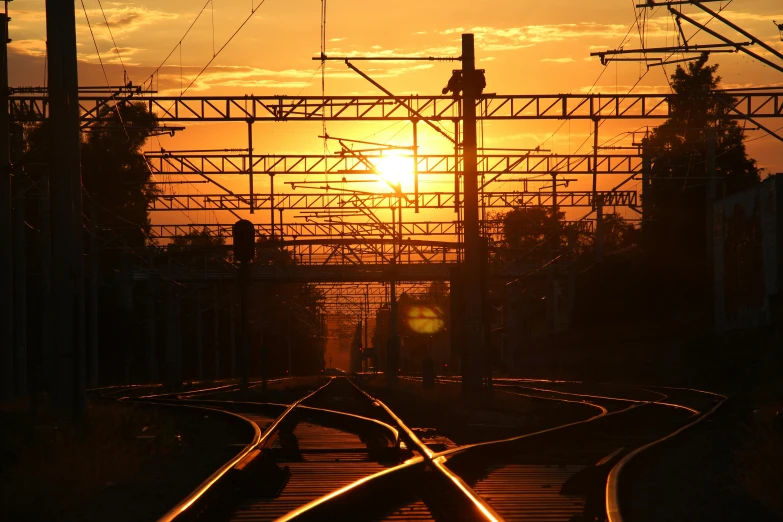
(394, 169)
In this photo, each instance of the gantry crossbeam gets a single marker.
(386, 108)
(233, 163)
(340, 229)
(342, 201)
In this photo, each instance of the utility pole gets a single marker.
(646, 184)
(474, 345)
(92, 301)
(152, 335)
(20, 187)
(216, 329)
(6, 254)
(366, 318)
(710, 221)
(250, 165)
(711, 194)
(199, 338)
(599, 231)
(66, 209)
(393, 342)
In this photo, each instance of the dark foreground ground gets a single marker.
(128, 463)
(728, 468)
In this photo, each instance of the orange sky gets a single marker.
(526, 47)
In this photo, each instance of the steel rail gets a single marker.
(188, 501)
(613, 510)
(437, 461)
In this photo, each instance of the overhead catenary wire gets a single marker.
(116, 48)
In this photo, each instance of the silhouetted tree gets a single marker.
(115, 175)
(679, 148)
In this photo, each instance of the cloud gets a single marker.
(251, 77)
(34, 48)
(337, 39)
(112, 56)
(558, 60)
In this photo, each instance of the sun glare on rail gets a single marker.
(394, 169)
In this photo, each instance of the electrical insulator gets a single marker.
(244, 241)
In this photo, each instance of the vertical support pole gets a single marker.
(288, 340)
(199, 339)
(173, 339)
(646, 183)
(216, 329)
(551, 304)
(152, 336)
(456, 168)
(19, 248)
(272, 205)
(366, 317)
(595, 157)
(473, 347)
(393, 343)
(415, 122)
(46, 377)
(6, 254)
(709, 242)
(92, 318)
(233, 332)
(599, 230)
(244, 333)
(711, 195)
(250, 166)
(66, 205)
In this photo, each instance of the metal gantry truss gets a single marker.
(165, 162)
(338, 229)
(349, 250)
(30, 108)
(336, 200)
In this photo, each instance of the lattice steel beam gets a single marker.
(385, 108)
(232, 163)
(341, 229)
(337, 201)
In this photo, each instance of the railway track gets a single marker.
(339, 453)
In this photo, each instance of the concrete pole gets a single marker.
(474, 345)
(6, 255)
(66, 208)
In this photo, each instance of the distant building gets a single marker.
(748, 251)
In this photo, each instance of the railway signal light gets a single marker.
(244, 241)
